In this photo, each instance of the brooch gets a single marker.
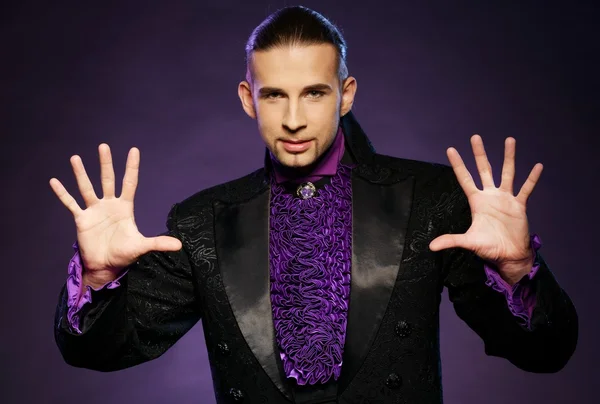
(306, 190)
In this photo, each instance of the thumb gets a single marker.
(163, 243)
(447, 241)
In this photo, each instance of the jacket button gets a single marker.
(403, 329)
(393, 381)
(236, 395)
(223, 348)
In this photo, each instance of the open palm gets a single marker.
(499, 231)
(107, 235)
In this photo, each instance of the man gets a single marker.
(317, 277)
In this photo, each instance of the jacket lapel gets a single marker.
(242, 243)
(380, 216)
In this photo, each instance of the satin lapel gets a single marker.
(380, 216)
(242, 242)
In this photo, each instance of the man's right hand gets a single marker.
(107, 235)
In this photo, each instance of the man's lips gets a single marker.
(296, 146)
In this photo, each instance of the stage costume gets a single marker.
(319, 289)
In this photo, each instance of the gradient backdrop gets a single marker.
(163, 76)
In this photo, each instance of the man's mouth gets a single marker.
(296, 146)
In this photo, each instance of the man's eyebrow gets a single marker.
(318, 87)
(312, 87)
(269, 90)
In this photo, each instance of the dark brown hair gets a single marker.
(296, 25)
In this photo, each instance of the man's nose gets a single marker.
(294, 118)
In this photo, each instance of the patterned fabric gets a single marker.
(310, 259)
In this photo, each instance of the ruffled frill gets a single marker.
(520, 297)
(310, 258)
(77, 295)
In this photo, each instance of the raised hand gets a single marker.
(499, 231)
(107, 235)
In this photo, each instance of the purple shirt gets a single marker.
(310, 258)
(520, 297)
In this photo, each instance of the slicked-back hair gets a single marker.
(296, 25)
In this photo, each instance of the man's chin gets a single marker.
(296, 160)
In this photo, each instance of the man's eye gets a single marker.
(315, 93)
(273, 95)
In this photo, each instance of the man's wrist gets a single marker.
(97, 279)
(512, 273)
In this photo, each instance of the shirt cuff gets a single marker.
(77, 298)
(520, 296)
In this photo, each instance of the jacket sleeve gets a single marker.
(520, 297)
(77, 295)
(154, 306)
(547, 344)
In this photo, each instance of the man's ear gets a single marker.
(349, 87)
(245, 94)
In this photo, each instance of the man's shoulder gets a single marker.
(421, 169)
(432, 179)
(406, 163)
(238, 189)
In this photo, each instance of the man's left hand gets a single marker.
(499, 231)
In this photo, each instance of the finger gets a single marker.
(65, 197)
(448, 241)
(483, 164)
(83, 181)
(462, 174)
(130, 179)
(508, 167)
(530, 183)
(107, 172)
(162, 243)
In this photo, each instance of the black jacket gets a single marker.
(391, 354)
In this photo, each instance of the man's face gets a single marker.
(297, 99)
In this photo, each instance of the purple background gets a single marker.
(163, 76)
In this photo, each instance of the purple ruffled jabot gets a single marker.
(310, 258)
